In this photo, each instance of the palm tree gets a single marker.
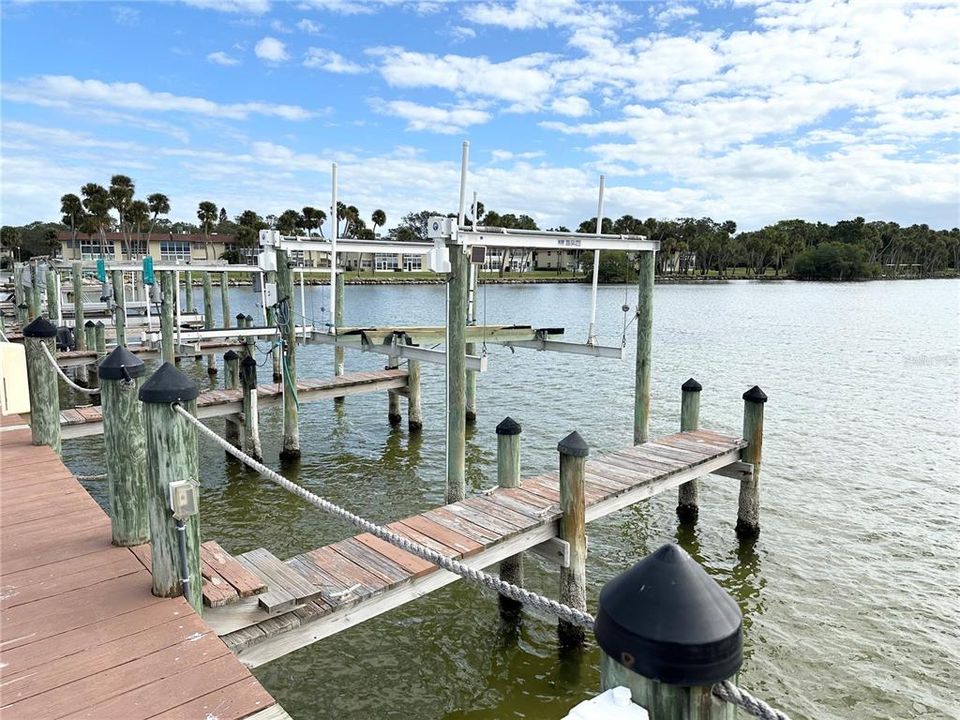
(159, 204)
(288, 222)
(137, 214)
(96, 201)
(121, 195)
(208, 215)
(379, 219)
(72, 210)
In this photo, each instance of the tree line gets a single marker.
(689, 246)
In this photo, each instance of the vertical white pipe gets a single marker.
(592, 335)
(56, 284)
(176, 282)
(263, 296)
(333, 243)
(464, 164)
(303, 309)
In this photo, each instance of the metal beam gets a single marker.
(569, 348)
(427, 335)
(312, 244)
(222, 333)
(551, 240)
(396, 350)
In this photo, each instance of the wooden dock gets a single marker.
(356, 579)
(81, 636)
(86, 421)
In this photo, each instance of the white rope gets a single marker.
(565, 612)
(726, 691)
(70, 383)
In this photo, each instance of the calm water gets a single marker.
(850, 596)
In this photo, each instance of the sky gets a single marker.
(749, 110)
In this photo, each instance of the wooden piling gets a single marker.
(748, 512)
(100, 339)
(119, 307)
(168, 296)
(573, 580)
(414, 411)
(508, 476)
(208, 318)
(172, 455)
(120, 375)
(53, 295)
(187, 292)
(251, 420)
(76, 270)
(231, 381)
(393, 398)
(456, 373)
(90, 338)
(688, 495)
(641, 402)
(42, 383)
(291, 413)
(19, 291)
(32, 295)
(225, 299)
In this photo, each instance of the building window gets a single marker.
(412, 263)
(386, 261)
(174, 250)
(138, 248)
(91, 249)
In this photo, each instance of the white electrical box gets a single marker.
(440, 228)
(184, 499)
(614, 704)
(438, 259)
(267, 260)
(14, 396)
(270, 294)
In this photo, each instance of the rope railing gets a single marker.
(726, 691)
(63, 376)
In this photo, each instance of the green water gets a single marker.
(850, 596)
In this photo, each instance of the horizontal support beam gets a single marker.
(547, 240)
(495, 334)
(555, 550)
(477, 363)
(312, 244)
(604, 351)
(736, 470)
(223, 333)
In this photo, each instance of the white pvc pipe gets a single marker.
(303, 309)
(176, 281)
(333, 247)
(592, 335)
(464, 164)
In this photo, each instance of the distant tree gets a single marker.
(313, 219)
(834, 261)
(288, 222)
(121, 195)
(137, 215)
(379, 219)
(159, 204)
(207, 215)
(96, 201)
(223, 215)
(413, 226)
(12, 238)
(72, 210)
(249, 225)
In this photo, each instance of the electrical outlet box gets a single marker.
(270, 293)
(184, 499)
(439, 228)
(14, 398)
(267, 260)
(438, 259)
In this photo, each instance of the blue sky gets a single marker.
(751, 110)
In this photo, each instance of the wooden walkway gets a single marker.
(85, 421)
(361, 577)
(80, 634)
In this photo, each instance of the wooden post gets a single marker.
(231, 381)
(508, 476)
(748, 512)
(100, 338)
(225, 298)
(641, 402)
(573, 579)
(271, 277)
(251, 421)
(90, 338)
(668, 632)
(32, 294)
(688, 495)
(42, 383)
(79, 325)
(120, 376)
(187, 292)
(168, 295)
(208, 318)
(291, 413)
(53, 295)
(456, 373)
(414, 411)
(120, 306)
(171, 450)
(393, 399)
(19, 292)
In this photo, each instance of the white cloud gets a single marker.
(538, 14)
(279, 27)
(252, 7)
(344, 7)
(65, 91)
(442, 120)
(502, 155)
(323, 59)
(222, 58)
(271, 50)
(672, 12)
(123, 15)
(572, 105)
(309, 27)
(459, 33)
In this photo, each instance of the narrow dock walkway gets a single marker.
(81, 636)
(85, 421)
(362, 577)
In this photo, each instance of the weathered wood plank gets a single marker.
(279, 575)
(242, 580)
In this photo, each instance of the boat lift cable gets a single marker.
(724, 691)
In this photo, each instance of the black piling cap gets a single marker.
(40, 328)
(100, 323)
(755, 395)
(230, 355)
(168, 385)
(666, 619)
(89, 323)
(691, 385)
(241, 317)
(249, 318)
(508, 426)
(573, 445)
(121, 364)
(248, 361)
